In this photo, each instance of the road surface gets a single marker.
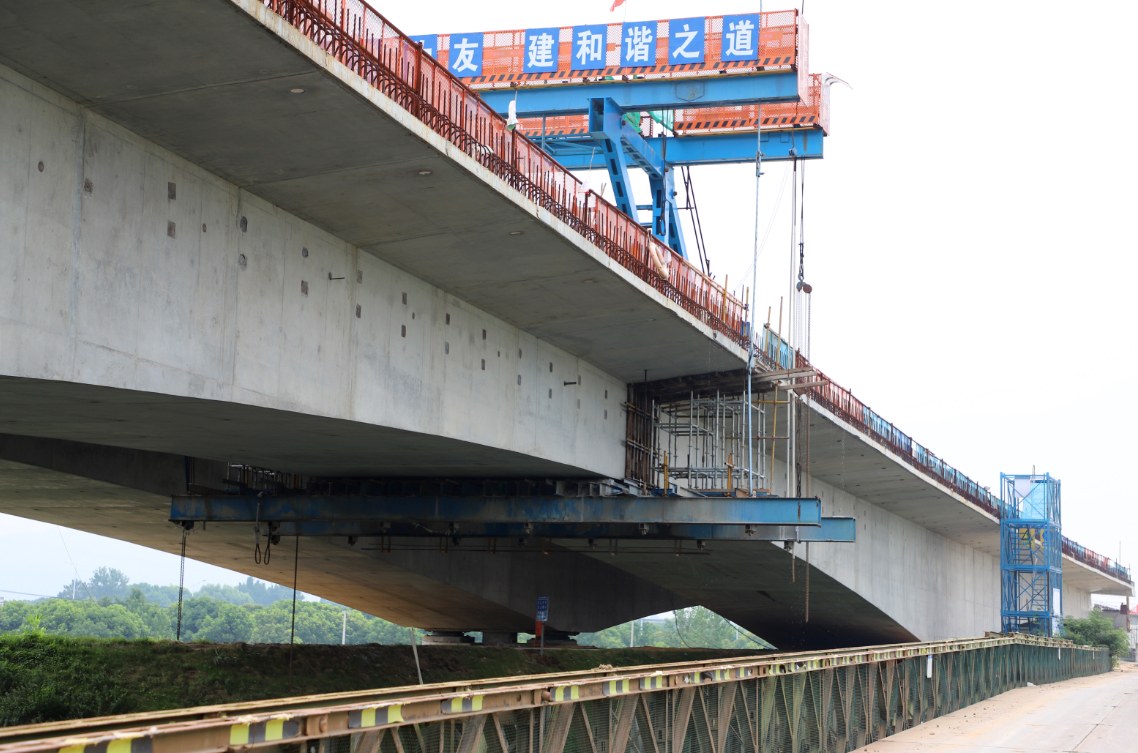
(1087, 715)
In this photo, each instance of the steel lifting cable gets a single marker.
(181, 584)
(803, 287)
(693, 213)
(751, 308)
(793, 481)
(803, 435)
(292, 628)
(806, 290)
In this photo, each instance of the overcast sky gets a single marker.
(969, 237)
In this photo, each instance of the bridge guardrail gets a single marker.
(363, 40)
(776, 353)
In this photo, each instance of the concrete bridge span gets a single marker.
(225, 246)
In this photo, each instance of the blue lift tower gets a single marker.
(1031, 554)
(658, 96)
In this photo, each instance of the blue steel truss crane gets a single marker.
(720, 87)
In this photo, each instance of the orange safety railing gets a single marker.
(555, 125)
(364, 41)
(812, 111)
(775, 353)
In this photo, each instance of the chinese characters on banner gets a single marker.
(586, 48)
(466, 55)
(740, 37)
(541, 47)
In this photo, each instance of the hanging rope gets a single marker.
(181, 584)
(258, 557)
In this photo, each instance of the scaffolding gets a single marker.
(1031, 554)
(697, 442)
(705, 442)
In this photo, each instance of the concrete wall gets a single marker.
(933, 586)
(127, 267)
(1076, 601)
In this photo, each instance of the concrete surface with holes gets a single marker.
(221, 244)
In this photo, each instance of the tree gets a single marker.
(14, 615)
(109, 583)
(695, 627)
(195, 612)
(1096, 629)
(230, 594)
(162, 596)
(231, 624)
(159, 619)
(264, 593)
(85, 618)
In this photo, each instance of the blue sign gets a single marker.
(638, 44)
(541, 48)
(686, 41)
(430, 43)
(588, 48)
(542, 609)
(741, 37)
(466, 55)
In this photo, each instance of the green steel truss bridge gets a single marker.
(792, 703)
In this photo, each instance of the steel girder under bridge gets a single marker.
(791, 703)
(505, 511)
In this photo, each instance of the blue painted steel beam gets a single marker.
(579, 153)
(647, 94)
(622, 145)
(534, 510)
(604, 127)
(829, 530)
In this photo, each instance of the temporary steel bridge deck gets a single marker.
(792, 703)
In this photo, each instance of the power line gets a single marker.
(24, 593)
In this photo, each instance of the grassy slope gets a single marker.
(49, 678)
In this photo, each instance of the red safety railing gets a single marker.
(774, 353)
(364, 41)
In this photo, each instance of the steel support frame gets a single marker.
(839, 530)
(579, 152)
(456, 517)
(623, 146)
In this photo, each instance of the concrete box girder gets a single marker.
(209, 81)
